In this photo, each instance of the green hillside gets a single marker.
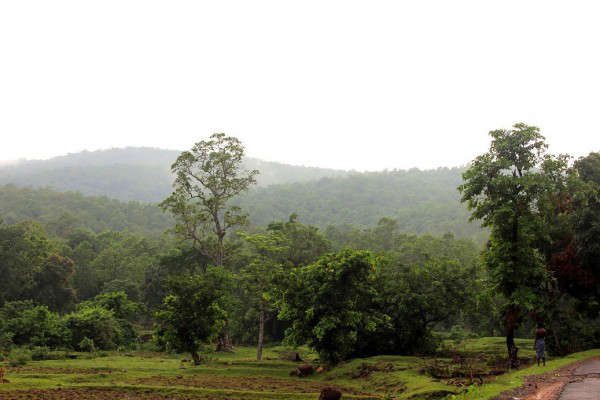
(421, 201)
(134, 173)
(63, 212)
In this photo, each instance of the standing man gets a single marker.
(540, 344)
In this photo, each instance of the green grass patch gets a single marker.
(239, 376)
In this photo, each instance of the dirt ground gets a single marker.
(90, 394)
(245, 383)
(548, 386)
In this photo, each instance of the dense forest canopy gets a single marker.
(61, 213)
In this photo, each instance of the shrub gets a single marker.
(87, 344)
(33, 325)
(95, 323)
(18, 357)
(6, 341)
(40, 353)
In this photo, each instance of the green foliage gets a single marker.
(305, 244)
(112, 261)
(422, 202)
(52, 283)
(24, 249)
(117, 302)
(65, 213)
(19, 356)
(87, 345)
(416, 299)
(501, 188)
(207, 178)
(26, 324)
(97, 324)
(510, 188)
(125, 312)
(331, 304)
(194, 311)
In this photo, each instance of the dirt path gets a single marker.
(578, 381)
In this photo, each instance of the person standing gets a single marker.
(540, 344)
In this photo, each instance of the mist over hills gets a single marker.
(133, 173)
(421, 201)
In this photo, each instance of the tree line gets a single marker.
(345, 291)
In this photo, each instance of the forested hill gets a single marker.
(420, 201)
(135, 173)
(63, 212)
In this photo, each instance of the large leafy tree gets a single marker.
(504, 189)
(331, 304)
(207, 177)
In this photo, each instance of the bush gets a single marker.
(40, 353)
(6, 342)
(25, 324)
(95, 323)
(87, 344)
(124, 311)
(18, 357)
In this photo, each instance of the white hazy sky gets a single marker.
(344, 84)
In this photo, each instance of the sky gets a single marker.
(363, 85)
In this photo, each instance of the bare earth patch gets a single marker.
(263, 383)
(91, 394)
(60, 371)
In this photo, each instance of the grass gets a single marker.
(239, 376)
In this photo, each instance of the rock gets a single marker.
(305, 370)
(290, 356)
(330, 394)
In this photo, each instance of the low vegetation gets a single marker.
(143, 374)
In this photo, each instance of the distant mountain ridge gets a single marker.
(133, 173)
(421, 201)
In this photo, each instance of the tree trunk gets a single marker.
(225, 343)
(510, 323)
(219, 250)
(195, 357)
(261, 331)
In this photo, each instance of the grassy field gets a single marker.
(145, 375)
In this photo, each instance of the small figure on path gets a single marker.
(540, 344)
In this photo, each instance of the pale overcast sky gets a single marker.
(343, 84)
